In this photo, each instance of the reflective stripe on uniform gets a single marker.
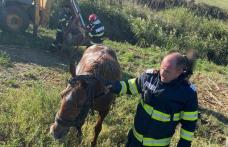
(133, 87)
(176, 117)
(90, 34)
(160, 116)
(97, 22)
(187, 135)
(59, 30)
(96, 35)
(150, 141)
(53, 45)
(190, 116)
(99, 35)
(91, 42)
(155, 114)
(123, 87)
(100, 29)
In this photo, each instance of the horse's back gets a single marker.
(100, 61)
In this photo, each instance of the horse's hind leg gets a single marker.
(98, 127)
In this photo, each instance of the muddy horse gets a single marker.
(86, 90)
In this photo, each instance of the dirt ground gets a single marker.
(32, 64)
(33, 56)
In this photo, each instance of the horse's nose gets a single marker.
(58, 133)
(53, 132)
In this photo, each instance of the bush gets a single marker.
(177, 28)
(5, 59)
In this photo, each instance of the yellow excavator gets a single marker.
(17, 15)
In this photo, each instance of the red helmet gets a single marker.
(92, 17)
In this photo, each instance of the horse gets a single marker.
(86, 90)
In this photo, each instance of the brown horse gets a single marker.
(86, 90)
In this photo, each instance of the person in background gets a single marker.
(65, 16)
(95, 29)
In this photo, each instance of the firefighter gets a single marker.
(95, 29)
(65, 16)
(167, 99)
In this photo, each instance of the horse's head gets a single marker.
(74, 106)
(87, 90)
(76, 101)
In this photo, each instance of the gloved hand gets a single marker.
(107, 89)
(112, 86)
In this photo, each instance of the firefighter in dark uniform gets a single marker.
(95, 29)
(167, 99)
(65, 16)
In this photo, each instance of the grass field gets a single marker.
(218, 3)
(32, 78)
(28, 108)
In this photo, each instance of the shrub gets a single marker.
(171, 28)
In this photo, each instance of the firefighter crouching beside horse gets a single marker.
(67, 21)
(65, 16)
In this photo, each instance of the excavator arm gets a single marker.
(77, 11)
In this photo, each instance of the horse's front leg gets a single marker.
(98, 126)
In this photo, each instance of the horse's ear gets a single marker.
(72, 70)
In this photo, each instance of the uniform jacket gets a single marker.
(162, 106)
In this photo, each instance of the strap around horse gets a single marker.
(85, 77)
(66, 123)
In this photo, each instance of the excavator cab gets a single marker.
(17, 15)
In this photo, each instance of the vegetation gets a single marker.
(28, 109)
(4, 59)
(221, 3)
(177, 28)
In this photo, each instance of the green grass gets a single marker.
(26, 113)
(43, 40)
(5, 59)
(28, 110)
(29, 100)
(218, 3)
(176, 28)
